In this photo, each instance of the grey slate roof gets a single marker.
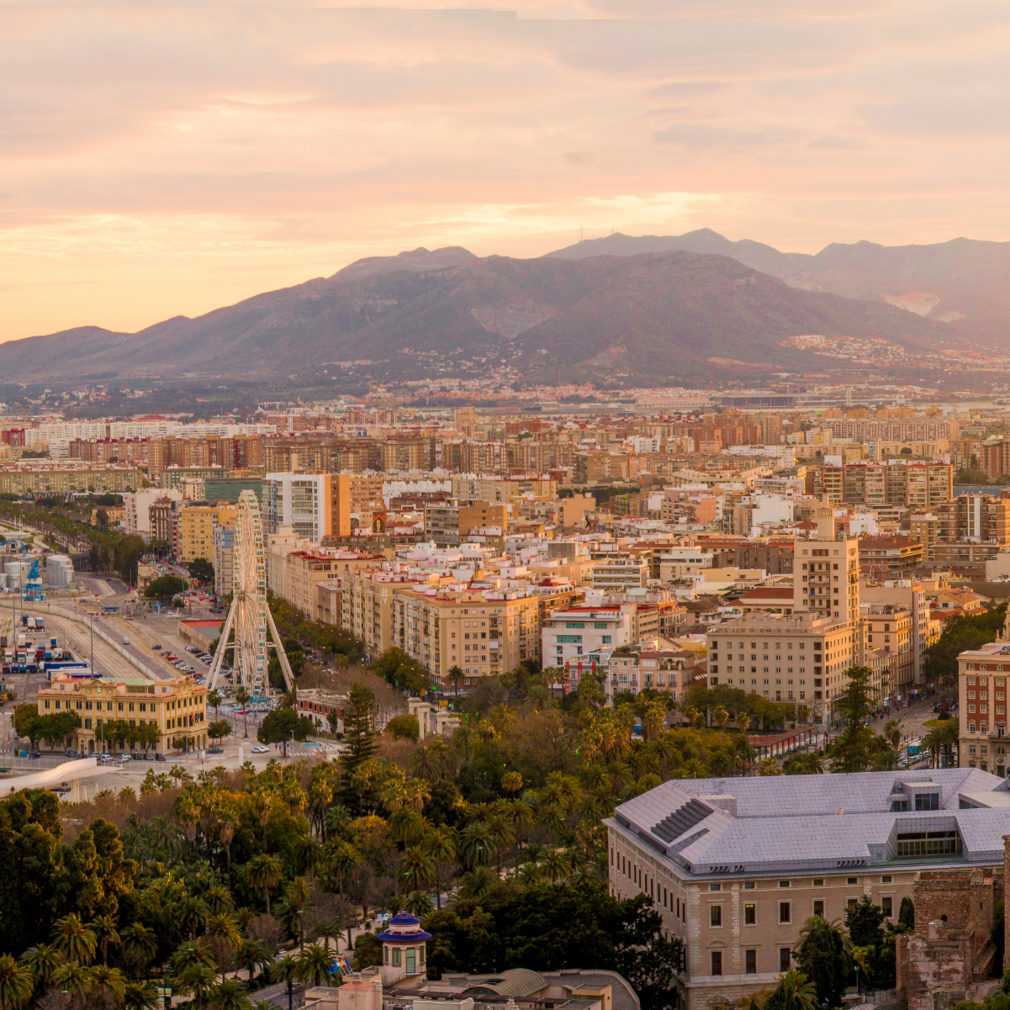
(801, 823)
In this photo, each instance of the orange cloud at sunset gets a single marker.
(165, 160)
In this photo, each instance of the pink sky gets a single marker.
(159, 161)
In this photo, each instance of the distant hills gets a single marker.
(658, 308)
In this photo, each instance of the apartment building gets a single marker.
(224, 558)
(982, 706)
(799, 657)
(193, 530)
(483, 632)
(578, 635)
(735, 866)
(616, 570)
(826, 575)
(894, 482)
(903, 595)
(137, 508)
(178, 707)
(894, 556)
(502, 490)
(314, 505)
(450, 523)
(21, 478)
(889, 628)
(654, 664)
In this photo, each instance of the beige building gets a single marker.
(502, 490)
(177, 707)
(735, 866)
(799, 657)
(194, 530)
(21, 479)
(482, 632)
(826, 572)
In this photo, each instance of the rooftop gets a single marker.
(800, 823)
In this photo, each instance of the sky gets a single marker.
(159, 161)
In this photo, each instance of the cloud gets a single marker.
(700, 135)
(168, 159)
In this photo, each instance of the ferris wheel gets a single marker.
(249, 614)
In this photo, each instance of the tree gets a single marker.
(214, 699)
(286, 969)
(164, 588)
(231, 994)
(455, 676)
(906, 914)
(822, 958)
(793, 992)
(201, 570)
(769, 766)
(359, 741)
(15, 983)
(282, 725)
(858, 748)
(314, 964)
(243, 698)
(75, 941)
(864, 923)
(219, 729)
(265, 873)
(403, 727)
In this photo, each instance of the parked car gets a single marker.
(157, 645)
(261, 750)
(215, 750)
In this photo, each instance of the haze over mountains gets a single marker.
(658, 308)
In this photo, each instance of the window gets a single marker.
(785, 912)
(784, 953)
(783, 883)
(396, 955)
(750, 962)
(928, 843)
(819, 907)
(716, 962)
(818, 882)
(853, 880)
(851, 904)
(927, 801)
(748, 885)
(749, 915)
(886, 903)
(715, 915)
(886, 879)
(715, 887)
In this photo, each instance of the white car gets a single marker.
(126, 641)
(261, 750)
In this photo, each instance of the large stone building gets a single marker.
(178, 707)
(736, 866)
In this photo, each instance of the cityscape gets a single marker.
(505, 508)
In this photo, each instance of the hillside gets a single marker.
(963, 282)
(657, 315)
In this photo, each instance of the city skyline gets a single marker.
(163, 161)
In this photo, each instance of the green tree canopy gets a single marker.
(165, 588)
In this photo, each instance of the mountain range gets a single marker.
(661, 308)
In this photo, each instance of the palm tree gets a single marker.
(314, 963)
(110, 982)
(199, 980)
(265, 873)
(214, 698)
(141, 996)
(42, 959)
(15, 983)
(252, 954)
(75, 941)
(242, 696)
(418, 903)
(223, 931)
(557, 865)
(416, 868)
(230, 994)
(72, 978)
(440, 844)
(104, 928)
(477, 882)
(455, 676)
(140, 942)
(218, 899)
(285, 969)
(793, 992)
(339, 861)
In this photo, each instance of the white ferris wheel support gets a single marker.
(249, 614)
